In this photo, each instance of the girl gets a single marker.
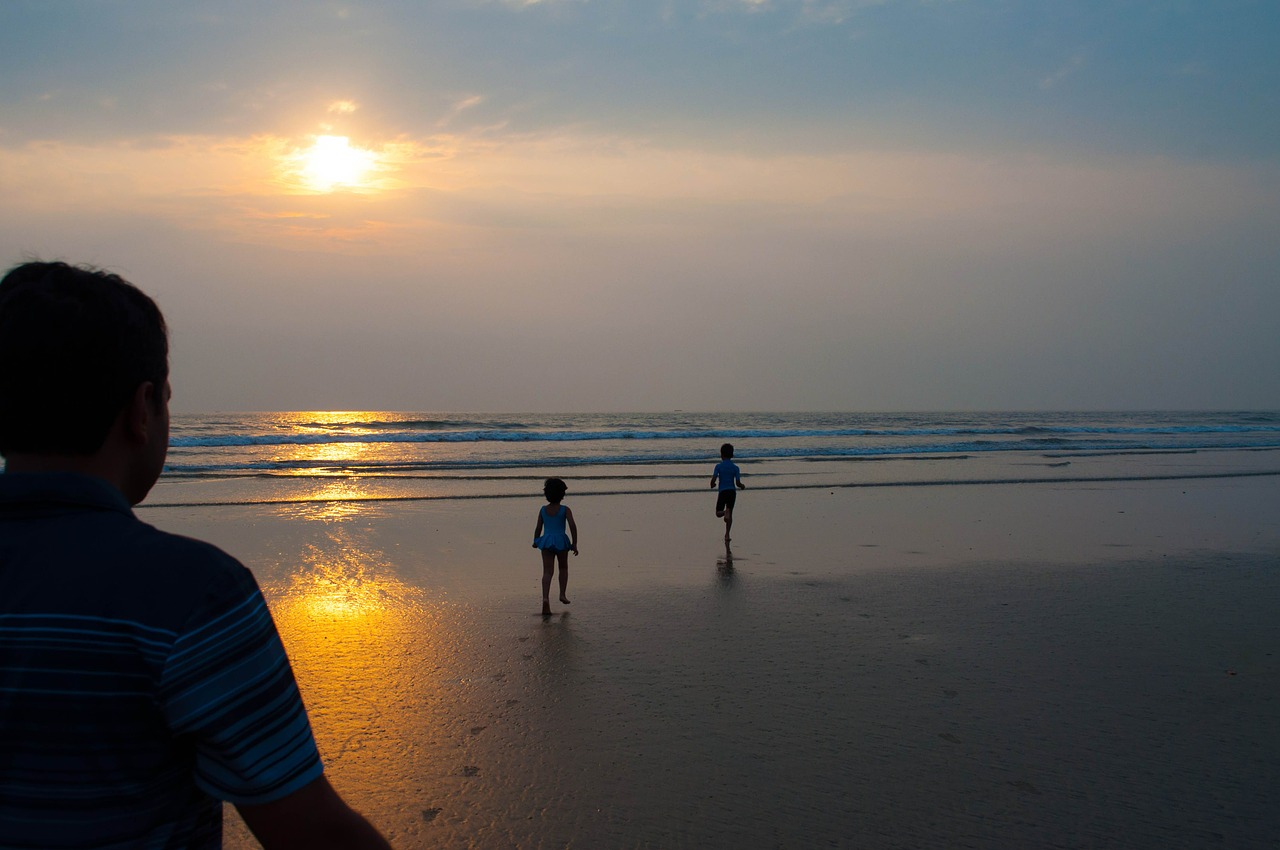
(549, 536)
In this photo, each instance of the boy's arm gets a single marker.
(713, 479)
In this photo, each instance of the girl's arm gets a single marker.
(573, 530)
(537, 529)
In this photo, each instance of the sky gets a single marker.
(611, 205)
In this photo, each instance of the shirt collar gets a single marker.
(68, 489)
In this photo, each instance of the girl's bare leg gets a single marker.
(548, 569)
(564, 575)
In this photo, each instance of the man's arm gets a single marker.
(228, 685)
(312, 818)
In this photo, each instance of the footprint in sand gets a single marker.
(476, 730)
(949, 693)
(428, 815)
(1024, 785)
(470, 770)
(948, 737)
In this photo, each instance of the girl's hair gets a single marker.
(554, 489)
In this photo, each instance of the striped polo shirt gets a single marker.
(142, 680)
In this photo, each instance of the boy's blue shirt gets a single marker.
(728, 473)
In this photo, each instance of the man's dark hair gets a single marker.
(75, 343)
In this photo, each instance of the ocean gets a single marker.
(302, 457)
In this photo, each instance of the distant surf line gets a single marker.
(851, 485)
(386, 471)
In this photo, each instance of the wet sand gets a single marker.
(1066, 665)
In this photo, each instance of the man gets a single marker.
(141, 677)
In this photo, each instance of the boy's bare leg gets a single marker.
(548, 569)
(564, 576)
(728, 523)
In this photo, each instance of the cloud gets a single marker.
(828, 12)
(525, 4)
(1074, 65)
(460, 106)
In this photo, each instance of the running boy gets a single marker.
(728, 474)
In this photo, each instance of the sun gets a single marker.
(331, 163)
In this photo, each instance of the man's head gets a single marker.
(726, 451)
(75, 346)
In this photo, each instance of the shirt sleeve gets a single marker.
(228, 686)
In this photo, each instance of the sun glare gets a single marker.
(332, 163)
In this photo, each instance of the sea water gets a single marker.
(256, 458)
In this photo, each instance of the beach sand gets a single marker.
(1034, 665)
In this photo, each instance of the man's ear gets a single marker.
(141, 413)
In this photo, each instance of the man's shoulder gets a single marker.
(102, 561)
(183, 571)
(197, 558)
(80, 514)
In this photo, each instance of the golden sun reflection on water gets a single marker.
(368, 651)
(340, 465)
(339, 495)
(331, 424)
(332, 501)
(328, 421)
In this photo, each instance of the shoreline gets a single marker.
(977, 482)
(338, 484)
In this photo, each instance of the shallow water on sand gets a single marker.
(995, 666)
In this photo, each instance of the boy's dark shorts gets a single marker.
(726, 500)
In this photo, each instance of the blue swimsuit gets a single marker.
(553, 536)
